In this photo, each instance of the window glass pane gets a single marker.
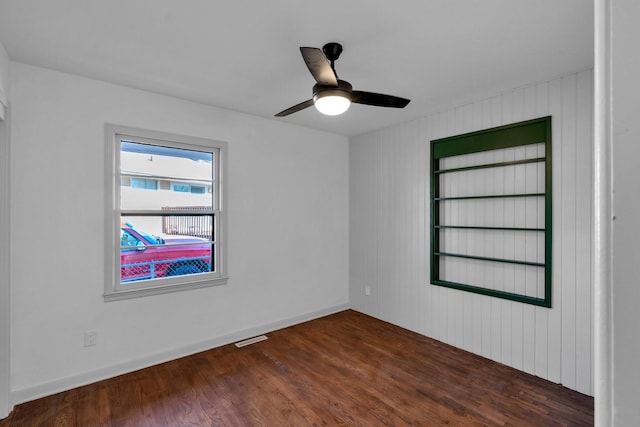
(148, 184)
(198, 189)
(148, 252)
(170, 173)
(181, 188)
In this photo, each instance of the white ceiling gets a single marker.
(243, 54)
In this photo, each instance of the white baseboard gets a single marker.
(5, 411)
(67, 383)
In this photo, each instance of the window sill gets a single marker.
(157, 290)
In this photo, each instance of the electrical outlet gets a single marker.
(90, 338)
(367, 290)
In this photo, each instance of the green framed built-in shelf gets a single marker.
(467, 169)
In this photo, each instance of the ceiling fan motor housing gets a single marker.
(343, 89)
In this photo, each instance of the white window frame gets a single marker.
(113, 289)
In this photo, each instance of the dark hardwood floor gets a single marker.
(344, 369)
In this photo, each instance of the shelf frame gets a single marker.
(534, 131)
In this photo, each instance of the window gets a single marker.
(181, 188)
(149, 184)
(171, 238)
(491, 212)
(197, 189)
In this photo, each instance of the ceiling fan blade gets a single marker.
(378, 99)
(319, 66)
(295, 108)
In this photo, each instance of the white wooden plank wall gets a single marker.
(389, 235)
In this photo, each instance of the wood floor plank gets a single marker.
(343, 369)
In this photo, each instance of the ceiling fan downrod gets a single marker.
(332, 51)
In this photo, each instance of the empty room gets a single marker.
(336, 213)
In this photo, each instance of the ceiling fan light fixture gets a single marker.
(332, 100)
(331, 104)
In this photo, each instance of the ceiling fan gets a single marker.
(332, 96)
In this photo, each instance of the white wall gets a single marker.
(389, 236)
(288, 231)
(625, 62)
(5, 306)
(4, 81)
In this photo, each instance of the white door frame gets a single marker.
(5, 302)
(602, 227)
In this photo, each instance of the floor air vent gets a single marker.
(251, 341)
